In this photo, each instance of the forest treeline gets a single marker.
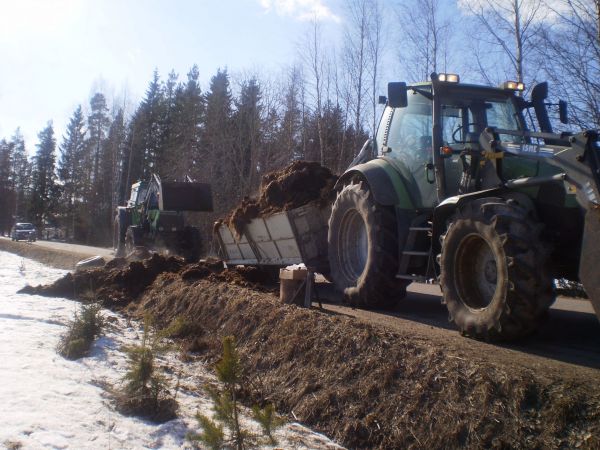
(321, 108)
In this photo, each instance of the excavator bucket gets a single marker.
(589, 274)
(186, 196)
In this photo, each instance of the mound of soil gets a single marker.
(296, 185)
(120, 282)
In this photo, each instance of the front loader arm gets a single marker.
(579, 161)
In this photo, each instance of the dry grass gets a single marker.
(367, 387)
(364, 386)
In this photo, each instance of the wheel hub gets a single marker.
(476, 272)
(354, 245)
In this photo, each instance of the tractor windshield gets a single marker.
(463, 120)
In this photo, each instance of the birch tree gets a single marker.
(512, 30)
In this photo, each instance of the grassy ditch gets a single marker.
(362, 385)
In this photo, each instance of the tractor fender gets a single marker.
(448, 207)
(385, 183)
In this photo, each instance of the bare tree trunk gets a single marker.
(518, 41)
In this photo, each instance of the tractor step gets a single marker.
(420, 229)
(417, 278)
(416, 248)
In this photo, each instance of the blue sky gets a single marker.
(55, 53)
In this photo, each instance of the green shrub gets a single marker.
(86, 326)
(146, 391)
(226, 407)
(181, 327)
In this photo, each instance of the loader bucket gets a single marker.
(180, 196)
(589, 273)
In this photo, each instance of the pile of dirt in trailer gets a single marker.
(296, 185)
(362, 385)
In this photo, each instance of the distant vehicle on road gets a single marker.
(23, 231)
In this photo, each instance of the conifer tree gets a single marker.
(44, 198)
(111, 174)
(70, 170)
(7, 193)
(21, 175)
(248, 135)
(146, 135)
(191, 110)
(98, 123)
(217, 139)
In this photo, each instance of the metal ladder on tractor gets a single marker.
(416, 248)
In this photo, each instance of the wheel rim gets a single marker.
(354, 245)
(476, 272)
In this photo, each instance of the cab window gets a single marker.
(409, 137)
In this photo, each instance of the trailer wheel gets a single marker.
(495, 277)
(363, 249)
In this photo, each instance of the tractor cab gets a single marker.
(138, 193)
(449, 117)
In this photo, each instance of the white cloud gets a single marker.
(300, 9)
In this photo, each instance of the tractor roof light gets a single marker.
(448, 77)
(513, 86)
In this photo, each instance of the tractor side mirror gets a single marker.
(562, 112)
(397, 94)
(539, 93)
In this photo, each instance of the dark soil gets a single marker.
(362, 385)
(120, 282)
(296, 185)
(157, 411)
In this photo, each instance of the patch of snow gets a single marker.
(48, 402)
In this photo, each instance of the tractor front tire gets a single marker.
(363, 249)
(495, 277)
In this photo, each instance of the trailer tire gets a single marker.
(363, 249)
(495, 277)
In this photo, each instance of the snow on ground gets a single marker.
(52, 403)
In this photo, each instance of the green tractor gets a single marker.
(463, 193)
(154, 218)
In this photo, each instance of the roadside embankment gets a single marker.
(362, 385)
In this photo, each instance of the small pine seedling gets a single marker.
(268, 420)
(212, 434)
(225, 402)
(86, 325)
(146, 391)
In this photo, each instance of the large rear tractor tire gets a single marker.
(118, 239)
(133, 239)
(495, 277)
(191, 244)
(363, 249)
